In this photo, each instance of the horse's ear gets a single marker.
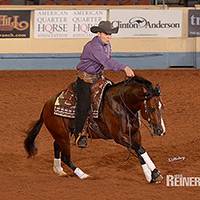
(157, 89)
(148, 95)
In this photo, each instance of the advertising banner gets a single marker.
(194, 23)
(66, 23)
(147, 23)
(14, 24)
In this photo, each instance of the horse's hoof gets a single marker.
(62, 173)
(156, 176)
(59, 171)
(80, 173)
(85, 176)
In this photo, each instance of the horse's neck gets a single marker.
(131, 95)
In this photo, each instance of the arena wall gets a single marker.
(138, 53)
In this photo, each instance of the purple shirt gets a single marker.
(96, 56)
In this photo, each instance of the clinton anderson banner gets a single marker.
(147, 23)
(14, 24)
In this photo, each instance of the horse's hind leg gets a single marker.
(57, 168)
(60, 130)
(67, 160)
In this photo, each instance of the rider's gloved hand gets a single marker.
(129, 72)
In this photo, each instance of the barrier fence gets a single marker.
(52, 37)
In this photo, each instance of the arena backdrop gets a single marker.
(168, 45)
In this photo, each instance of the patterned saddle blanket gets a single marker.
(65, 102)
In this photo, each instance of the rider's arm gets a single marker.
(104, 58)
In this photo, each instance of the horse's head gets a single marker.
(152, 109)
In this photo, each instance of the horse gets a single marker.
(119, 120)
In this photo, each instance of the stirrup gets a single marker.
(78, 138)
(83, 145)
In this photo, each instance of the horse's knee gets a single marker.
(141, 150)
(141, 160)
(138, 149)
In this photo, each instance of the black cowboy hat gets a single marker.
(105, 27)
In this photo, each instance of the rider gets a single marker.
(95, 57)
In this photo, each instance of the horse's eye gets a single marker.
(151, 109)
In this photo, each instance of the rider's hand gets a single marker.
(129, 72)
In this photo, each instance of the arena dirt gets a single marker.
(22, 96)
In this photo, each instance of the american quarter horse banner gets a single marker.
(66, 23)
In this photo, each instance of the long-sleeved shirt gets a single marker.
(96, 56)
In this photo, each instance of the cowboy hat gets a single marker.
(105, 27)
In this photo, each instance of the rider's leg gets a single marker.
(83, 97)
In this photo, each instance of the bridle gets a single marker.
(158, 93)
(146, 111)
(149, 95)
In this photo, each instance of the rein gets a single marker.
(134, 115)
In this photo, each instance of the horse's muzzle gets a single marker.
(158, 130)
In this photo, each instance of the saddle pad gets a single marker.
(65, 102)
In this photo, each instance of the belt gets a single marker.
(88, 77)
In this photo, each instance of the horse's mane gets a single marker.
(151, 91)
(138, 80)
(142, 81)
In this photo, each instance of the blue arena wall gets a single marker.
(70, 60)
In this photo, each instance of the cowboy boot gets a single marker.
(81, 141)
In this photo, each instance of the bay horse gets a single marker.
(119, 120)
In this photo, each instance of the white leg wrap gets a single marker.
(57, 167)
(80, 173)
(147, 172)
(148, 161)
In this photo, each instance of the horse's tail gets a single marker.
(32, 132)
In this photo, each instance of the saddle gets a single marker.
(65, 102)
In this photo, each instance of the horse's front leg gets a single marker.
(151, 173)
